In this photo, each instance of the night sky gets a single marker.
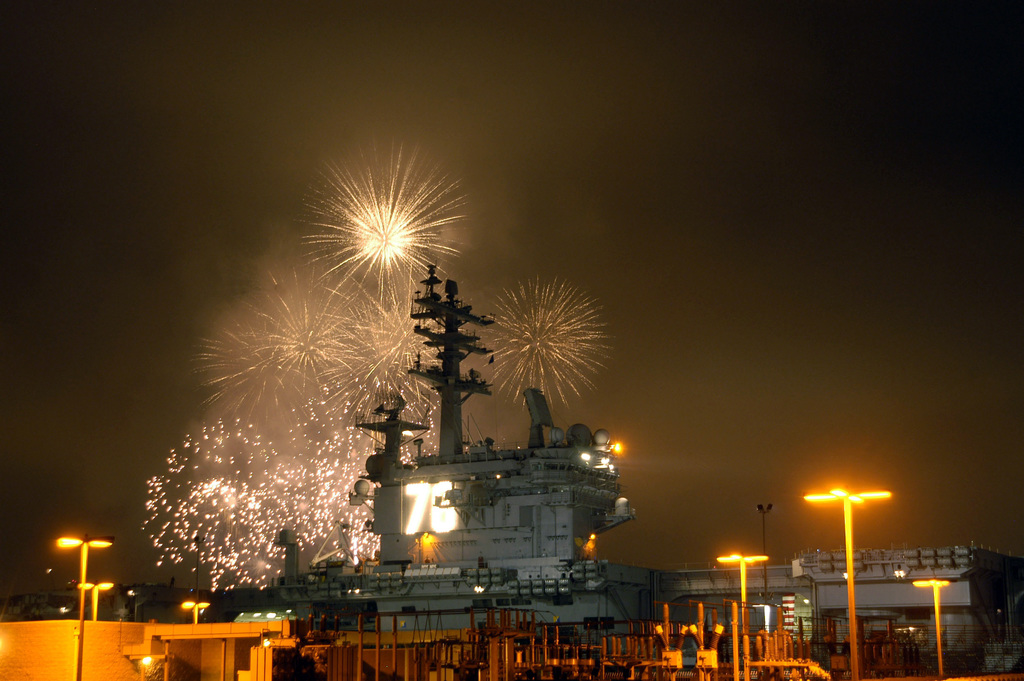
(804, 223)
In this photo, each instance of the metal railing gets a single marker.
(910, 650)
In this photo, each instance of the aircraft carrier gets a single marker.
(468, 527)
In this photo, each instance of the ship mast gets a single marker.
(449, 314)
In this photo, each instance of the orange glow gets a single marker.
(931, 582)
(735, 558)
(839, 493)
(195, 608)
(617, 447)
(96, 543)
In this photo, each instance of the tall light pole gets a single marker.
(935, 584)
(83, 542)
(743, 561)
(764, 510)
(848, 501)
(96, 589)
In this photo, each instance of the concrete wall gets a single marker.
(45, 651)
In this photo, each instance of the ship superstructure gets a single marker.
(476, 525)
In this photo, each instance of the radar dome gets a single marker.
(362, 488)
(579, 435)
(557, 436)
(601, 437)
(376, 465)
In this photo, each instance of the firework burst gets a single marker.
(239, 486)
(386, 215)
(284, 349)
(239, 490)
(383, 348)
(549, 336)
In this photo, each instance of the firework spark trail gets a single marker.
(284, 349)
(386, 215)
(239, 487)
(315, 355)
(550, 336)
(239, 491)
(384, 346)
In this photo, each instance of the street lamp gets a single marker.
(848, 501)
(743, 561)
(935, 584)
(764, 510)
(96, 589)
(195, 607)
(83, 542)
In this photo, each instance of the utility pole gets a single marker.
(763, 510)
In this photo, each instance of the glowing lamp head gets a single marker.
(737, 558)
(840, 493)
(94, 542)
(931, 582)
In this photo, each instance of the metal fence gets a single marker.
(889, 650)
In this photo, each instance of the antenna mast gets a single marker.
(449, 314)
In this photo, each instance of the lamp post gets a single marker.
(195, 607)
(83, 542)
(764, 509)
(743, 561)
(935, 584)
(848, 501)
(95, 589)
